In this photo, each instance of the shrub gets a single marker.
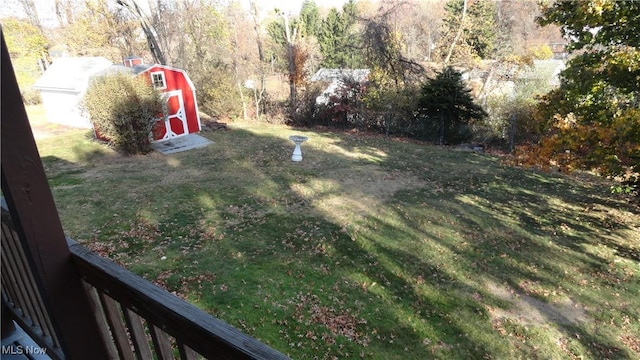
(218, 93)
(274, 110)
(511, 121)
(31, 97)
(389, 107)
(541, 52)
(343, 106)
(123, 109)
(308, 112)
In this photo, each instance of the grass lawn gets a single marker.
(369, 248)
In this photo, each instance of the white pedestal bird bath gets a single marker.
(297, 152)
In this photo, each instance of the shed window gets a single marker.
(157, 78)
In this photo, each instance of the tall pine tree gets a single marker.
(338, 39)
(447, 109)
(479, 30)
(310, 18)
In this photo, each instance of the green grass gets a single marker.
(370, 247)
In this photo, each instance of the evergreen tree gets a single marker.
(479, 30)
(310, 18)
(446, 108)
(338, 41)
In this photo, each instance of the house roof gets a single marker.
(540, 69)
(71, 73)
(339, 74)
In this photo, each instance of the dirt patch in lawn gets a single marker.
(528, 310)
(354, 192)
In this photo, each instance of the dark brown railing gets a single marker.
(141, 320)
(71, 301)
(20, 293)
(137, 319)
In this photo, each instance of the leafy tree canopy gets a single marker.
(27, 45)
(595, 22)
(310, 18)
(592, 121)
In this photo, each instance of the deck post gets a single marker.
(36, 221)
(7, 324)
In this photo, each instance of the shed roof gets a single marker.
(119, 68)
(339, 74)
(71, 73)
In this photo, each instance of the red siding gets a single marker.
(176, 80)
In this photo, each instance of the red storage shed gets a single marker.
(181, 112)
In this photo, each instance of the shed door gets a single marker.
(175, 118)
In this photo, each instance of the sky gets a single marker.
(47, 15)
(45, 10)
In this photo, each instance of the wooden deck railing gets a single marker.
(21, 294)
(137, 319)
(141, 320)
(71, 301)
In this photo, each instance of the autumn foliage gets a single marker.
(592, 121)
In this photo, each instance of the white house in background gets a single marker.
(63, 86)
(335, 78)
(501, 80)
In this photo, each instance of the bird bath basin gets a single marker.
(297, 152)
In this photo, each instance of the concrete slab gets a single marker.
(182, 143)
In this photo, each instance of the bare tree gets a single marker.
(383, 45)
(64, 12)
(239, 57)
(421, 26)
(258, 93)
(148, 29)
(93, 28)
(32, 13)
(291, 39)
(518, 29)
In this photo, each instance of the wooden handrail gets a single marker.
(20, 292)
(78, 304)
(36, 224)
(187, 324)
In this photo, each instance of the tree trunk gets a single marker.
(458, 34)
(257, 95)
(292, 65)
(154, 47)
(244, 103)
(442, 130)
(512, 132)
(482, 95)
(236, 71)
